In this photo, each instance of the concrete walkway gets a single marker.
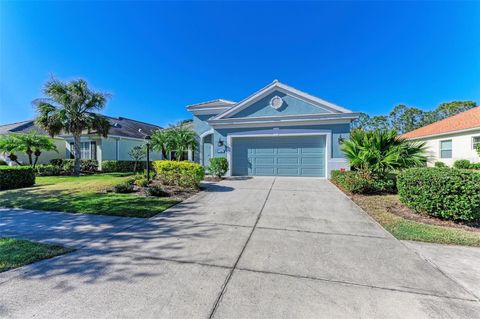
(245, 248)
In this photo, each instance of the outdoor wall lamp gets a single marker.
(341, 139)
(220, 143)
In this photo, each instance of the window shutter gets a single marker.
(93, 150)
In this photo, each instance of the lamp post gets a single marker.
(147, 139)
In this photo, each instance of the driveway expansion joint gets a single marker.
(230, 274)
(321, 233)
(354, 284)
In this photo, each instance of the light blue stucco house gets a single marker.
(277, 131)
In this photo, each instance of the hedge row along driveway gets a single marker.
(85, 195)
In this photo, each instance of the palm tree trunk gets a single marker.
(76, 154)
(35, 162)
(29, 153)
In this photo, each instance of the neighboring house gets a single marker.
(278, 130)
(124, 134)
(451, 139)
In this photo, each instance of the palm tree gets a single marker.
(160, 142)
(178, 139)
(181, 139)
(378, 152)
(9, 144)
(33, 144)
(69, 108)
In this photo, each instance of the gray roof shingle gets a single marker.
(120, 126)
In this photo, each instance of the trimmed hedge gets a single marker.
(440, 164)
(355, 183)
(465, 164)
(67, 165)
(123, 166)
(441, 192)
(48, 170)
(16, 177)
(184, 174)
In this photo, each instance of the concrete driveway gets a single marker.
(245, 248)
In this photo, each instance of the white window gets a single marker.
(85, 150)
(475, 141)
(446, 149)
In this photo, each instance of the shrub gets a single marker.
(16, 177)
(218, 166)
(475, 166)
(463, 164)
(379, 152)
(157, 191)
(355, 182)
(440, 164)
(125, 187)
(48, 170)
(2, 163)
(122, 166)
(183, 174)
(141, 182)
(57, 161)
(444, 193)
(86, 166)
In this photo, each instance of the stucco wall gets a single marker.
(462, 148)
(110, 152)
(45, 157)
(291, 106)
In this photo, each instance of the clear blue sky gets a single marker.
(155, 58)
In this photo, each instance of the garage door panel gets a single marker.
(282, 156)
(312, 172)
(264, 171)
(288, 161)
(287, 171)
(289, 150)
(311, 161)
(262, 160)
(263, 151)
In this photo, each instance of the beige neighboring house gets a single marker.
(451, 139)
(124, 134)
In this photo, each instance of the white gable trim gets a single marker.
(275, 85)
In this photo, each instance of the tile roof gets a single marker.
(120, 126)
(463, 121)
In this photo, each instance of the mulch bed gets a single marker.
(397, 208)
(173, 191)
(405, 212)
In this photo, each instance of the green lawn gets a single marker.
(16, 253)
(405, 229)
(84, 195)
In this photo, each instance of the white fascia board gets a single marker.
(280, 123)
(284, 89)
(208, 110)
(444, 134)
(296, 117)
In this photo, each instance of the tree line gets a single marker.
(403, 118)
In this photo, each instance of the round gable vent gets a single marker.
(276, 102)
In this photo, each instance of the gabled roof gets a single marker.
(467, 120)
(120, 126)
(276, 85)
(125, 127)
(211, 103)
(20, 127)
